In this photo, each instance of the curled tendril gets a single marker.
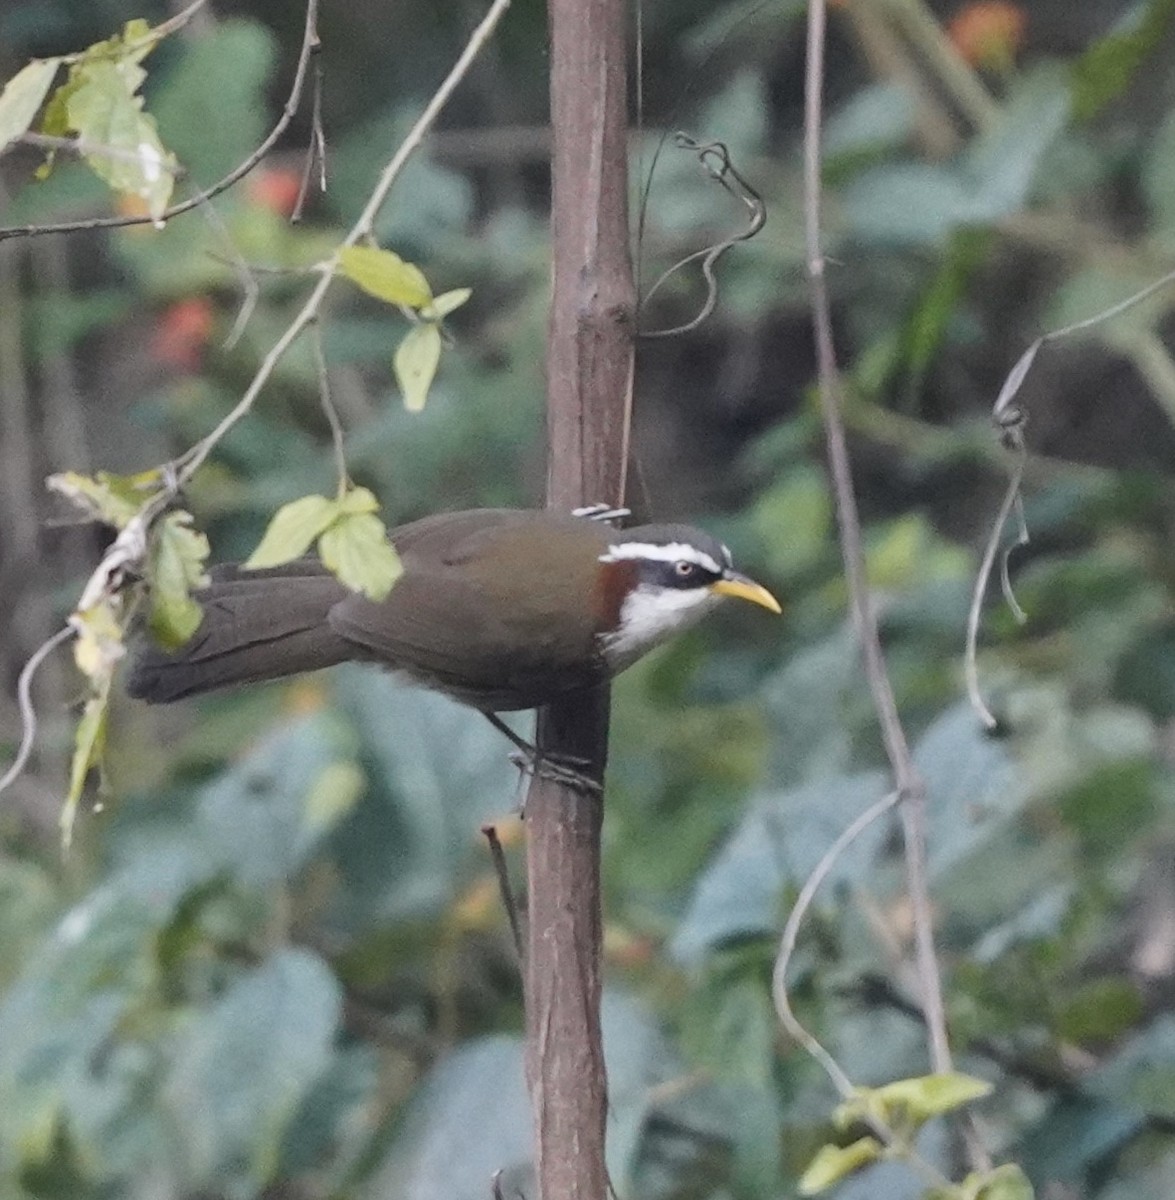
(715, 159)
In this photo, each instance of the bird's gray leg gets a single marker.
(561, 769)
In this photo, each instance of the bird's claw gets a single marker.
(601, 512)
(561, 769)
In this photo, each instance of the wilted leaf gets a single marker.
(114, 499)
(416, 362)
(356, 549)
(23, 96)
(386, 276)
(99, 643)
(122, 143)
(833, 1163)
(177, 566)
(446, 303)
(292, 531)
(88, 744)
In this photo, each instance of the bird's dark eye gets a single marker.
(685, 569)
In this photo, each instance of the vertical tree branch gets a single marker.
(588, 367)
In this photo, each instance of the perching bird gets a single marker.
(502, 609)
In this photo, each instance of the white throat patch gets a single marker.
(649, 616)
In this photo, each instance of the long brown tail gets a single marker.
(257, 625)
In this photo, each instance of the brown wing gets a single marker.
(482, 608)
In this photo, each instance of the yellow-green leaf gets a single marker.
(386, 276)
(834, 1163)
(445, 303)
(293, 530)
(23, 95)
(114, 499)
(358, 500)
(177, 566)
(356, 549)
(416, 362)
(88, 744)
(908, 1103)
(1006, 1183)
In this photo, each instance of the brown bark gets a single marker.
(588, 372)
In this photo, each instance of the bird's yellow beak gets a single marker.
(734, 584)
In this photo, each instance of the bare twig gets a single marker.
(316, 150)
(81, 145)
(970, 657)
(791, 931)
(28, 714)
(191, 461)
(238, 172)
(909, 784)
(328, 406)
(490, 833)
(1009, 420)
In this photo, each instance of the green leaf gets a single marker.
(23, 95)
(416, 362)
(909, 1103)
(89, 743)
(124, 148)
(356, 549)
(292, 531)
(114, 499)
(177, 566)
(833, 1163)
(446, 303)
(386, 276)
(1105, 70)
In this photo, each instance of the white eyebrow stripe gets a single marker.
(670, 553)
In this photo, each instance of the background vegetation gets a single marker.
(274, 963)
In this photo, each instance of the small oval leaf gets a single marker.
(833, 1163)
(416, 363)
(445, 303)
(293, 530)
(386, 276)
(356, 549)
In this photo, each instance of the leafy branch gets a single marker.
(165, 549)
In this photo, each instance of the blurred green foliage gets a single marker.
(276, 963)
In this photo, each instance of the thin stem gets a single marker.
(791, 932)
(360, 230)
(909, 783)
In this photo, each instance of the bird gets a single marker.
(500, 609)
